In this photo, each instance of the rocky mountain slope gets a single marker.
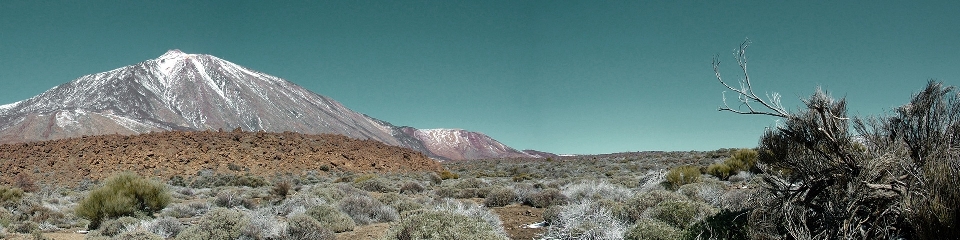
(195, 92)
(461, 144)
(185, 153)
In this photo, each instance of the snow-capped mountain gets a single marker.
(180, 91)
(463, 144)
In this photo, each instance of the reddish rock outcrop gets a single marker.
(184, 153)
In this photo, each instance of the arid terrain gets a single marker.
(186, 153)
(510, 198)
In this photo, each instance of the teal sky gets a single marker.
(557, 76)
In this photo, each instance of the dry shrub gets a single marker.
(442, 225)
(25, 181)
(165, 227)
(218, 224)
(471, 183)
(638, 204)
(500, 197)
(681, 214)
(546, 198)
(281, 189)
(595, 190)
(411, 188)
(653, 230)
(894, 177)
(232, 198)
(331, 218)
(585, 220)
(138, 235)
(262, 225)
(375, 184)
(707, 191)
(303, 227)
(366, 210)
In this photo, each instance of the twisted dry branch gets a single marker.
(745, 93)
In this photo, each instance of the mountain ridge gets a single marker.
(195, 92)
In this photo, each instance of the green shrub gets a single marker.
(681, 214)
(720, 170)
(442, 225)
(331, 218)
(219, 223)
(303, 227)
(744, 160)
(10, 196)
(653, 230)
(125, 194)
(740, 160)
(681, 175)
(500, 197)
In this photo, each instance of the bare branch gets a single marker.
(745, 93)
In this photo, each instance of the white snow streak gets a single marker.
(9, 106)
(67, 118)
(208, 80)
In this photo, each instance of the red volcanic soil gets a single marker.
(166, 154)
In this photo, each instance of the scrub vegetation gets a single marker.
(818, 174)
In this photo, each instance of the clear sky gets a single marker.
(557, 76)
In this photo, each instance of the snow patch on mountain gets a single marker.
(463, 144)
(9, 106)
(132, 125)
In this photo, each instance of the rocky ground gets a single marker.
(179, 153)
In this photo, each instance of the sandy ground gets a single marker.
(515, 216)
